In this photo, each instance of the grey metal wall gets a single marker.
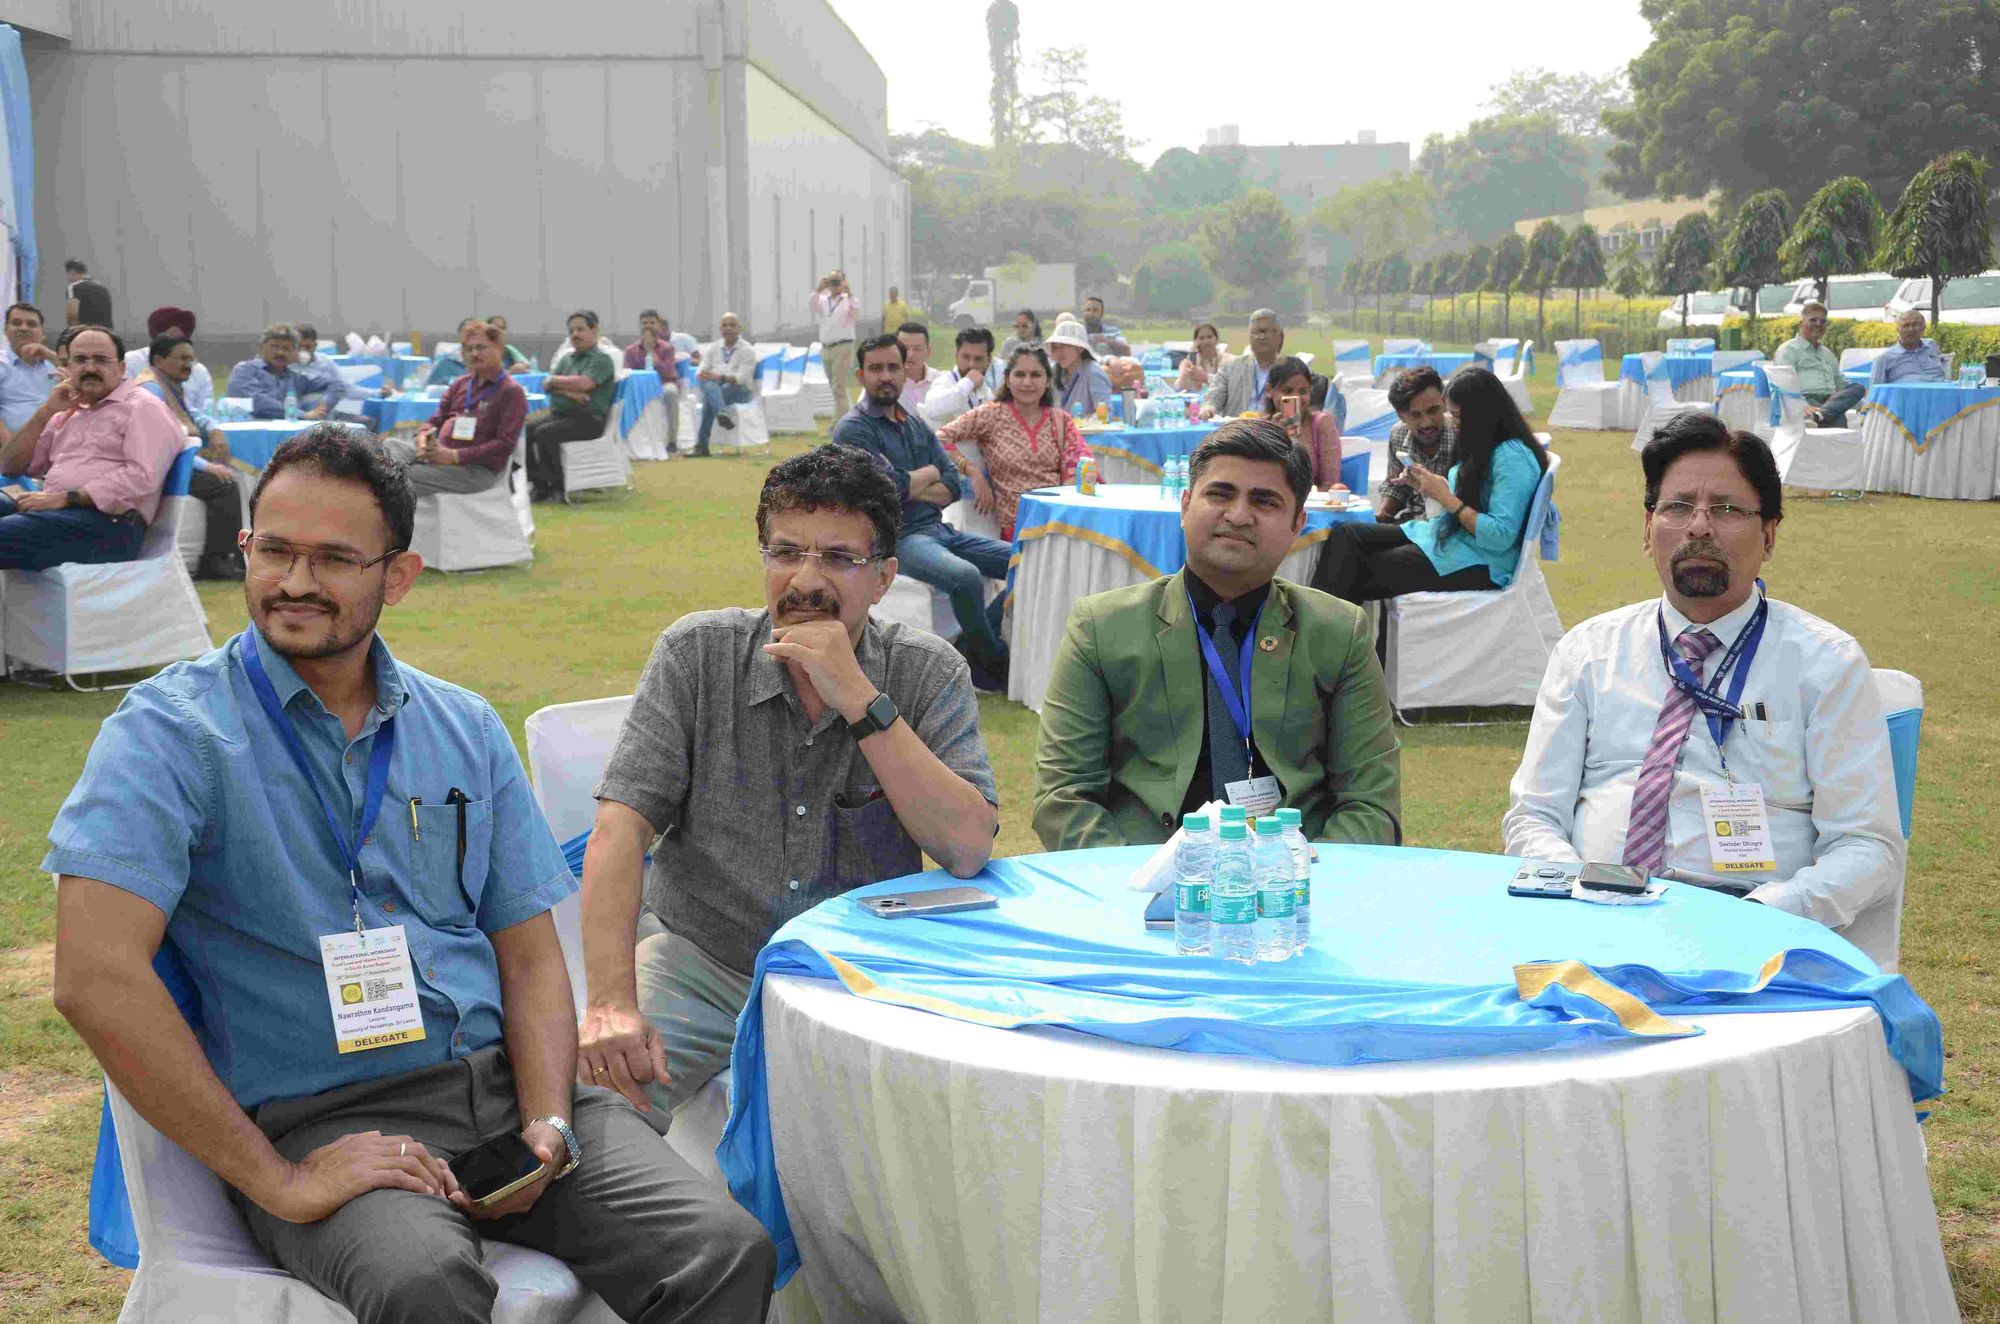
(374, 164)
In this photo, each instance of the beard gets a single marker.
(341, 630)
(1699, 581)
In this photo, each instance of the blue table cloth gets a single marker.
(1134, 521)
(253, 441)
(1482, 973)
(1924, 410)
(398, 368)
(634, 394)
(1446, 364)
(1149, 448)
(406, 413)
(1681, 368)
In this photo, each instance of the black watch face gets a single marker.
(882, 712)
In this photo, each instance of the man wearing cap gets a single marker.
(169, 320)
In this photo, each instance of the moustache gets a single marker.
(311, 600)
(795, 602)
(1705, 548)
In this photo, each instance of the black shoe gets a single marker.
(699, 453)
(726, 421)
(988, 677)
(542, 495)
(228, 568)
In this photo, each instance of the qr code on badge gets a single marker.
(1734, 827)
(374, 990)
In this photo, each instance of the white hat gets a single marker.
(1069, 331)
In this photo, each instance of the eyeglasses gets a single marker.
(271, 559)
(1723, 519)
(791, 558)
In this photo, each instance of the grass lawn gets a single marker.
(1918, 582)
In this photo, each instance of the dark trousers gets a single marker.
(1833, 408)
(38, 539)
(635, 1224)
(546, 433)
(223, 499)
(1366, 562)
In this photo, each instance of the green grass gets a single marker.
(1915, 581)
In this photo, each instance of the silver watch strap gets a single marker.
(569, 1143)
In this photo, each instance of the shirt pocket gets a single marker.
(871, 842)
(444, 890)
(1773, 754)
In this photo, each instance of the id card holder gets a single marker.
(1256, 796)
(463, 426)
(1738, 829)
(371, 988)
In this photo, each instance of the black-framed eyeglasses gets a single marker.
(1725, 517)
(272, 559)
(791, 558)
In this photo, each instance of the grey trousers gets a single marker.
(693, 1000)
(635, 1224)
(430, 478)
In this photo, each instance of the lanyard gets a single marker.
(1034, 435)
(1235, 698)
(1735, 665)
(378, 772)
(472, 402)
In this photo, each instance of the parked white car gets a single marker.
(1968, 300)
(1711, 307)
(1862, 298)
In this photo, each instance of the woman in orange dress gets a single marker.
(1024, 441)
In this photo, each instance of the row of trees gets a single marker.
(1545, 261)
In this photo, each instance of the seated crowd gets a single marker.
(777, 757)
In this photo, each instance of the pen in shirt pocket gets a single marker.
(457, 799)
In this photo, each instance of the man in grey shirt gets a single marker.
(772, 759)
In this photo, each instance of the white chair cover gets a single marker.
(191, 533)
(471, 530)
(1661, 402)
(596, 464)
(1860, 356)
(818, 391)
(1584, 399)
(1479, 649)
(787, 407)
(1512, 371)
(1818, 459)
(1350, 360)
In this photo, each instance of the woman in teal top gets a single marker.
(1474, 541)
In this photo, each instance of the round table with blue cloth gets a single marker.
(1934, 439)
(1456, 1104)
(406, 413)
(1681, 368)
(1068, 546)
(1136, 455)
(252, 441)
(398, 368)
(1446, 364)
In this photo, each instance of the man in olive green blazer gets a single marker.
(1132, 715)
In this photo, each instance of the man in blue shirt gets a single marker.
(1911, 358)
(270, 377)
(356, 974)
(27, 369)
(928, 549)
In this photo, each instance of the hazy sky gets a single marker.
(1180, 67)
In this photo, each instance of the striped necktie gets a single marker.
(1646, 830)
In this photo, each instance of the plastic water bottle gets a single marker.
(1166, 478)
(1295, 837)
(291, 402)
(1272, 865)
(1232, 898)
(1235, 814)
(1194, 869)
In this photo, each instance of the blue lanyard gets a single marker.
(1735, 665)
(1235, 698)
(378, 772)
(471, 403)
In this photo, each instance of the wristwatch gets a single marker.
(74, 498)
(569, 1143)
(880, 715)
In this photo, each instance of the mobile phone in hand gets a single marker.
(495, 1168)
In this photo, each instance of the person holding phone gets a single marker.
(1288, 403)
(1198, 369)
(336, 863)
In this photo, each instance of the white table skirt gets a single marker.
(1053, 574)
(1770, 1170)
(1743, 411)
(1118, 469)
(1962, 464)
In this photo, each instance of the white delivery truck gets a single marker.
(1046, 287)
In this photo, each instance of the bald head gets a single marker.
(1910, 329)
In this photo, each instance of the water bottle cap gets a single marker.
(1269, 826)
(1195, 822)
(1232, 813)
(1234, 831)
(1290, 817)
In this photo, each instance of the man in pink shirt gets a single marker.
(101, 447)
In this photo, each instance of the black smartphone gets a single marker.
(1542, 880)
(495, 1168)
(1622, 878)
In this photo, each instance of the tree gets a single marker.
(1445, 281)
(1939, 228)
(1003, 52)
(1631, 274)
(1065, 114)
(1381, 216)
(1684, 261)
(1577, 101)
(1503, 272)
(1472, 273)
(1750, 94)
(1750, 249)
(1501, 170)
(1835, 232)
(1395, 282)
(1581, 267)
(1182, 179)
(1352, 282)
(1254, 243)
(1545, 250)
(1171, 279)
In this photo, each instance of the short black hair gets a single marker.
(13, 307)
(70, 333)
(915, 329)
(589, 318)
(1256, 439)
(873, 343)
(164, 345)
(653, 313)
(973, 335)
(1411, 383)
(834, 476)
(1286, 368)
(1322, 387)
(1097, 299)
(1688, 432)
(75, 264)
(352, 455)
(306, 331)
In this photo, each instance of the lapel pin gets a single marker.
(1269, 643)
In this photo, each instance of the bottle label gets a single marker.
(1191, 896)
(1240, 909)
(1274, 902)
(1302, 894)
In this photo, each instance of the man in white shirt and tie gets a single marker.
(966, 386)
(1629, 762)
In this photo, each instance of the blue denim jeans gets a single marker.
(714, 396)
(1833, 408)
(960, 564)
(38, 539)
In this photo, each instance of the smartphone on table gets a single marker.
(936, 901)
